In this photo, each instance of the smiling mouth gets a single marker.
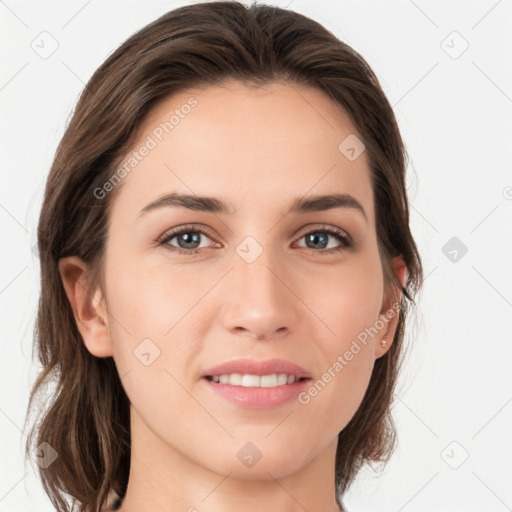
(255, 381)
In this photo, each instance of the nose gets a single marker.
(258, 299)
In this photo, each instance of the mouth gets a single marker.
(253, 384)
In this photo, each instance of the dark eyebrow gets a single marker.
(321, 203)
(192, 202)
(299, 205)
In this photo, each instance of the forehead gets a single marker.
(248, 146)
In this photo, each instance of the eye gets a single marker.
(319, 239)
(188, 239)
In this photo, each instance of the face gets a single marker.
(190, 288)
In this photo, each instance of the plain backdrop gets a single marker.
(446, 69)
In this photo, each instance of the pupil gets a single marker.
(314, 238)
(187, 237)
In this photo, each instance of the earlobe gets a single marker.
(89, 310)
(390, 312)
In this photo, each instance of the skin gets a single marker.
(293, 302)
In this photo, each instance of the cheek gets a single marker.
(349, 308)
(148, 301)
(348, 301)
(151, 317)
(339, 386)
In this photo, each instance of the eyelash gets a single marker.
(346, 241)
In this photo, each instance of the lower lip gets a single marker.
(258, 398)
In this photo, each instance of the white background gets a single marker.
(455, 394)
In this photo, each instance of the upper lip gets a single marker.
(254, 367)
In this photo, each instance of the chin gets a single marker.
(248, 462)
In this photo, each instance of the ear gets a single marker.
(90, 311)
(390, 312)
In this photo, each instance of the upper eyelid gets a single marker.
(180, 229)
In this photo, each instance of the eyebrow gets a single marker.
(300, 205)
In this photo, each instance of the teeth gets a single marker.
(235, 379)
(269, 381)
(255, 381)
(282, 378)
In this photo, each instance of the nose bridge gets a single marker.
(259, 301)
(254, 267)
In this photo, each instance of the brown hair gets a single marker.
(87, 418)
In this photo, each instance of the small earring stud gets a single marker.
(383, 342)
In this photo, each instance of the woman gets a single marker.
(226, 269)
